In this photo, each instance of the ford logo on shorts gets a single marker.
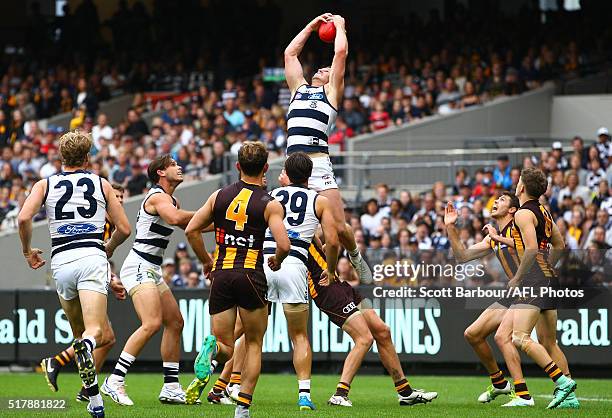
(76, 228)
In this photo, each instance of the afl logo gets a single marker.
(76, 228)
(298, 96)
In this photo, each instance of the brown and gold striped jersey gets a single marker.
(543, 235)
(108, 230)
(240, 227)
(506, 255)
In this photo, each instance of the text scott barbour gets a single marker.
(478, 292)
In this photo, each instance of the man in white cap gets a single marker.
(557, 152)
(604, 146)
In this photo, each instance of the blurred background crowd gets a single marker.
(218, 97)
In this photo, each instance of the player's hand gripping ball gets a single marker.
(327, 32)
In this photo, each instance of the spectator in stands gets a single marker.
(379, 118)
(101, 130)
(84, 96)
(232, 115)
(138, 182)
(122, 170)
(217, 164)
(372, 217)
(557, 152)
(194, 281)
(604, 146)
(353, 118)
(501, 174)
(168, 271)
(136, 125)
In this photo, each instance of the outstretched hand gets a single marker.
(319, 20)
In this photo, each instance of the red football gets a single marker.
(327, 32)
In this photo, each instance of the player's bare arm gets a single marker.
(161, 204)
(294, 73)
(31, 206)
(332, 243)
(526, 222)
(202, 219)
(462, 254)
(494, 235)
(338, 67)
(274, 215)
(117, 217)
(558, 245)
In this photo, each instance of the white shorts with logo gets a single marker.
(88, 273)
(322, 177)
(136, 271)
(289, 284)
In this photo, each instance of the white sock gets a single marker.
(96, 400)
(171, 372)
(90, 342)
(124, 363)
(304, 388)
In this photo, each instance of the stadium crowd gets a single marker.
(409, 76)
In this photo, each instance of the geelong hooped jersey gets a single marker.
(152, 232)
(310, 119)
(76, 210)
(301, 221)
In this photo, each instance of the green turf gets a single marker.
(372, 396)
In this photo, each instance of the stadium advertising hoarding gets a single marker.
(424, 329)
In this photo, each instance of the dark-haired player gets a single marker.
(241, 213)
(534, 233)
(51, 366)
(141, 275)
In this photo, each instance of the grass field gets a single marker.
(372, 396)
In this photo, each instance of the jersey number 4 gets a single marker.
(236, 211)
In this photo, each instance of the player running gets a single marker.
(51, 366)
(76, 203)
(310, 119)
(241, 212)
(305, 210)
(502, 244)
(533, 233)
(141, 275)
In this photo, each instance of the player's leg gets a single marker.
(357, 328)
(100, 354)
(219, 346)
(296, 315)
(546, 330)
(476, 335)
(171, 391)
(345, 234)
(229, 379)
(51, 366)
(147, 303)
(93, 308)
(503, 339)
(390, 360)
(525, 318)
(255, 322)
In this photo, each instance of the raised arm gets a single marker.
(338, 67)
(200, 221)
(294, 74)
(117, 217)
(462, 254)
(31, 206)
(274, 215)
(332, 246)
(161, 203)
(492, 232)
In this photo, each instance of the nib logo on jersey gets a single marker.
(222, 237)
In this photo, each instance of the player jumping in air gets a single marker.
(502, 244)
(141, 275)
(533, 233)
(51, 366)
(77, 202)
(310, 119)
(240, 212)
